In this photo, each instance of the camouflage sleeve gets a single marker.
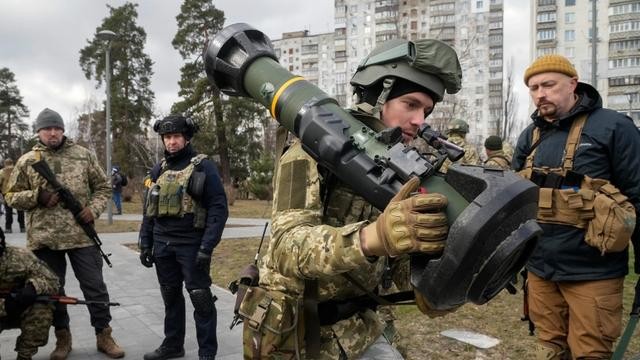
(99, 186)
(471, 156)
(21, 193)
(301, 245)
(39, 275)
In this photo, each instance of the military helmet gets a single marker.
(431, 64)
(458, 126)
(176, 124)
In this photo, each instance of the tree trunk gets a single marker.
(218, 115)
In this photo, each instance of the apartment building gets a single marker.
(566, 27)
(473, 27)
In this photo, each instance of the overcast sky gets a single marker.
(40, 42)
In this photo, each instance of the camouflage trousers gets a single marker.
(34, 326)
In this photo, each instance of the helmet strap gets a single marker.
(387, 84)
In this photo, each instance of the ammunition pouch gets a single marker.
(272, 324)
(586, 203)
(151, 202)
(611, 228)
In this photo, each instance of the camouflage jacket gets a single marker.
(315, 228)
(499, 160)
(76, 168)
(18, 267)
(5, 172)
(470, 154)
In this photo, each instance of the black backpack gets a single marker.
(124, 181)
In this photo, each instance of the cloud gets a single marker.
(41, 41)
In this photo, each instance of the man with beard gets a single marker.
(53, 232)
(585, 160)
(185, 213)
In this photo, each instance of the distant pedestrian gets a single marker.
(185, 213)
(5, 174)
(495, 154)
(457, 131)
(117, 182)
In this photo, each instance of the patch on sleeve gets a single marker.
(292, 189)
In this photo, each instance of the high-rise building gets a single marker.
(566, 27)
(473, 28)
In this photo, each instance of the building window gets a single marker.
(549, 34)
(478, 4)
(546, 17)
(570, 18)
(569, 2)
(545, 51)
(569, 52)
(569, 35)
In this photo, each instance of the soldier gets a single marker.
(585, 159)
(495, 155)
(328, 244)
(23, 277)
(5, 173)
(179, 234)
(53, 232)
(457, 131)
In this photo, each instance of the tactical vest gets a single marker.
(168, 195)
(574, 199)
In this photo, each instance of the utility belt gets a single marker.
(580, 201)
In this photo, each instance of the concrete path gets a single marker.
(138, 323)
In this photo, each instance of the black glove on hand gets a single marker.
(203, 261)
(20, 300)
(146, 257)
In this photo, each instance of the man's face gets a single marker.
(407, 112)
(552, 93)
(174, 142)
(51, 137)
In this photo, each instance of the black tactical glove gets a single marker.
(20, 300)
(146, 257)
(203, 261)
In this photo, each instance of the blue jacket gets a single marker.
(176, 230)
(609, 149)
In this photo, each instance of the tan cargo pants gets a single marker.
(582, 317)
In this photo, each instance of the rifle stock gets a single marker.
(71, 203)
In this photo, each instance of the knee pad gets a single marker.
(549, 351)
(202, 301)
(170, 294)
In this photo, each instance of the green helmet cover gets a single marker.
(459, 126)
(429, 63)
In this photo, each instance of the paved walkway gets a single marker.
(138, 323)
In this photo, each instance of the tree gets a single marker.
(13, 129)
(507, 125)
(131, 95)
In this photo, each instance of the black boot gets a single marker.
(162, 353)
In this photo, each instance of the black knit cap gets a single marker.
(48, 118)
(493, 142)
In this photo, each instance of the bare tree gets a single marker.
(507, 125)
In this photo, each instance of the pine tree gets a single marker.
(13, 129)
(131, 94)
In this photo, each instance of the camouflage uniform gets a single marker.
(18, 267)
(75, 167)
(319, 239)
(470, 154)
(499, 160)
(53, 233)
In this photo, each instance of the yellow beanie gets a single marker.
(550, 63)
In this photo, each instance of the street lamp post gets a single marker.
(108, 36)
(630, 96)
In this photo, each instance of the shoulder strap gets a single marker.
(572, 141)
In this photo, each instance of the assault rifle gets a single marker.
(61, 299)
(71, 203)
